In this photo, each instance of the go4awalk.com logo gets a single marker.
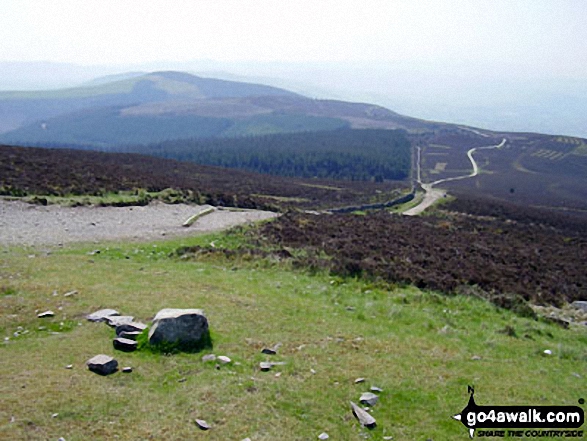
(522, 421)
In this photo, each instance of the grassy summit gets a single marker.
(418, 346)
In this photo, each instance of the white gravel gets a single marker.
(26, 224)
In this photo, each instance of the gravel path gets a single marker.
(26, 224)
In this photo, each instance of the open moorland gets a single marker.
(530, 169)
(64, 173)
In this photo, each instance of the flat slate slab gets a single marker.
(117, 320)
(102, 364)
(124, 344)
(102, 315)
(130, 327)
(364, 417)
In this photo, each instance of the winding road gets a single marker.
(433, 194)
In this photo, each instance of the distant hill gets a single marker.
(141, 109)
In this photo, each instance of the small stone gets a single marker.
(323, 435)
(580, 304)
(55, 415)
(46, 314)
(376, 389)
(115, 321)
(69, 366)
(364, 418)
(265, 366)
(369, 399)
(102, 315)
(476, 357)
(130, 335)
(70, 293)
(574, 374)
(313, 371)
(209, 357)
(127, 369)
(547, 352)
(202, 424)
(246, 439)
(268, 351)
(359, 380)
(61, 439)
(102, 364)
(124, 344)
(388, 438)
(223, 359)
(130, 327)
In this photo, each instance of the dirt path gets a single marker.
(26, 224)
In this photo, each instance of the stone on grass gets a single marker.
(70, 293)
(323, 436)
(124, 344)
(202, 424)
(359, 380)
(102, 315)
(46, 314)
(130, 335)
(127, 369)
(117, 320)
(580, 304)
(183, 327)
(209, 357)
(364, 418)
(265, 366)
(130, 327)
(369, 399)
(102, 364)
(268, 351)
(223, 359)
(376, 389)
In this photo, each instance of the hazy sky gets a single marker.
(534, 37)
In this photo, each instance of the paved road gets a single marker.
(434, 194)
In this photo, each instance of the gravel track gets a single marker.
(26, 224)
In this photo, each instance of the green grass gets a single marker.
(417, 346)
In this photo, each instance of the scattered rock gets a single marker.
(364, 418)
(127, 369)
(268, 351)
(102, 315)
(55, 415)
(46, 314)
(223, 359)
(376, 389)
(70, 293)
(202, 424)
(547, 352)
(580, 304)
(179, 326)
(265, 366)
(313, 371)
(69, 366)
(476, 357)
(369, 399)
(102, 364)
(130, 335)
(209, 357)
(130, 327)
(323, 435)
(118, 320)
(125, 344)
(359, 380)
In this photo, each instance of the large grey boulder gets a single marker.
(187, 328)
(102, 364)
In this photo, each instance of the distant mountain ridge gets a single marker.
(174, 105)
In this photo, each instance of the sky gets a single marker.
(524, 35)
(472, 61)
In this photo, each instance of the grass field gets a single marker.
(417, 346)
